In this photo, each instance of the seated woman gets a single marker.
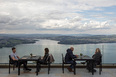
(97, 58)
(45, 58)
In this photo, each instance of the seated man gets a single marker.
(15, 59)
(96, 57)
(69, 58)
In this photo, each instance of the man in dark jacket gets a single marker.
(69, 58)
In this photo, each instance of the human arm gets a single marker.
(42, 57)
(77, 55)
(18, 57)
(14, 58)
(72, 55)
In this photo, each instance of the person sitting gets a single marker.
(15, 59)
(69, 59)
(46, 58)
(96, 57)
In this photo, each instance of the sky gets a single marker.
(57, 16)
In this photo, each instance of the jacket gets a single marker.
(69, 55)
(97, 57)
(48, 58)
(51, 58)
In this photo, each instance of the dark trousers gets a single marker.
(89, 65)
(23, 62)
(73, 63)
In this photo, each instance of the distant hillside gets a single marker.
(10, 40)
(93, 39)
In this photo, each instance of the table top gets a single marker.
(29, 58)
(84, 57)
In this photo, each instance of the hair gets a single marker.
(97, 50)
(72, 48)
(13, 48)
(46, 50)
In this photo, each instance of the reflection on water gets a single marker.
(108, 50)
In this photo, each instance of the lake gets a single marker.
(108, 50)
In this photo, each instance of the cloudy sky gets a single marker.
(58, 16)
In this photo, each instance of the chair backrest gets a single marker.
(45, 58)
(11, 60)
(48, 59)
(63, 58)
(100, 60)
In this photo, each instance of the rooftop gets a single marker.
(57, 72)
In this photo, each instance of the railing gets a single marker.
(108, 51)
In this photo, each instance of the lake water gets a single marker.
(108, 50)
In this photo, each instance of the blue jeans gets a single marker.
(73, 63)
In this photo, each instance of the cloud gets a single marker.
(96, 25)
(53, 14)
(109, 13)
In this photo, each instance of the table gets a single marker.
(84, 58)
(29, 58)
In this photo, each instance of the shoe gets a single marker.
(28, 69)
(93, 70)
(69, 69)
(83, 63)
(36, 71)
(72, 71)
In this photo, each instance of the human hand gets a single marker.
(76, 55)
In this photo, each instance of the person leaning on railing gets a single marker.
(96, 57)
(15, 59)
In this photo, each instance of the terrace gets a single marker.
(108, 70)
(109, 63)
(56, 72)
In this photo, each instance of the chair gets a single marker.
(48, 63)
(100, 65)
(11, 62)
(63, 62)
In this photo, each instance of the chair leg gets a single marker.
(9, 68)
(100, 69)
(39, 67)
(48, 68)
(62, 67)
(13, 67)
